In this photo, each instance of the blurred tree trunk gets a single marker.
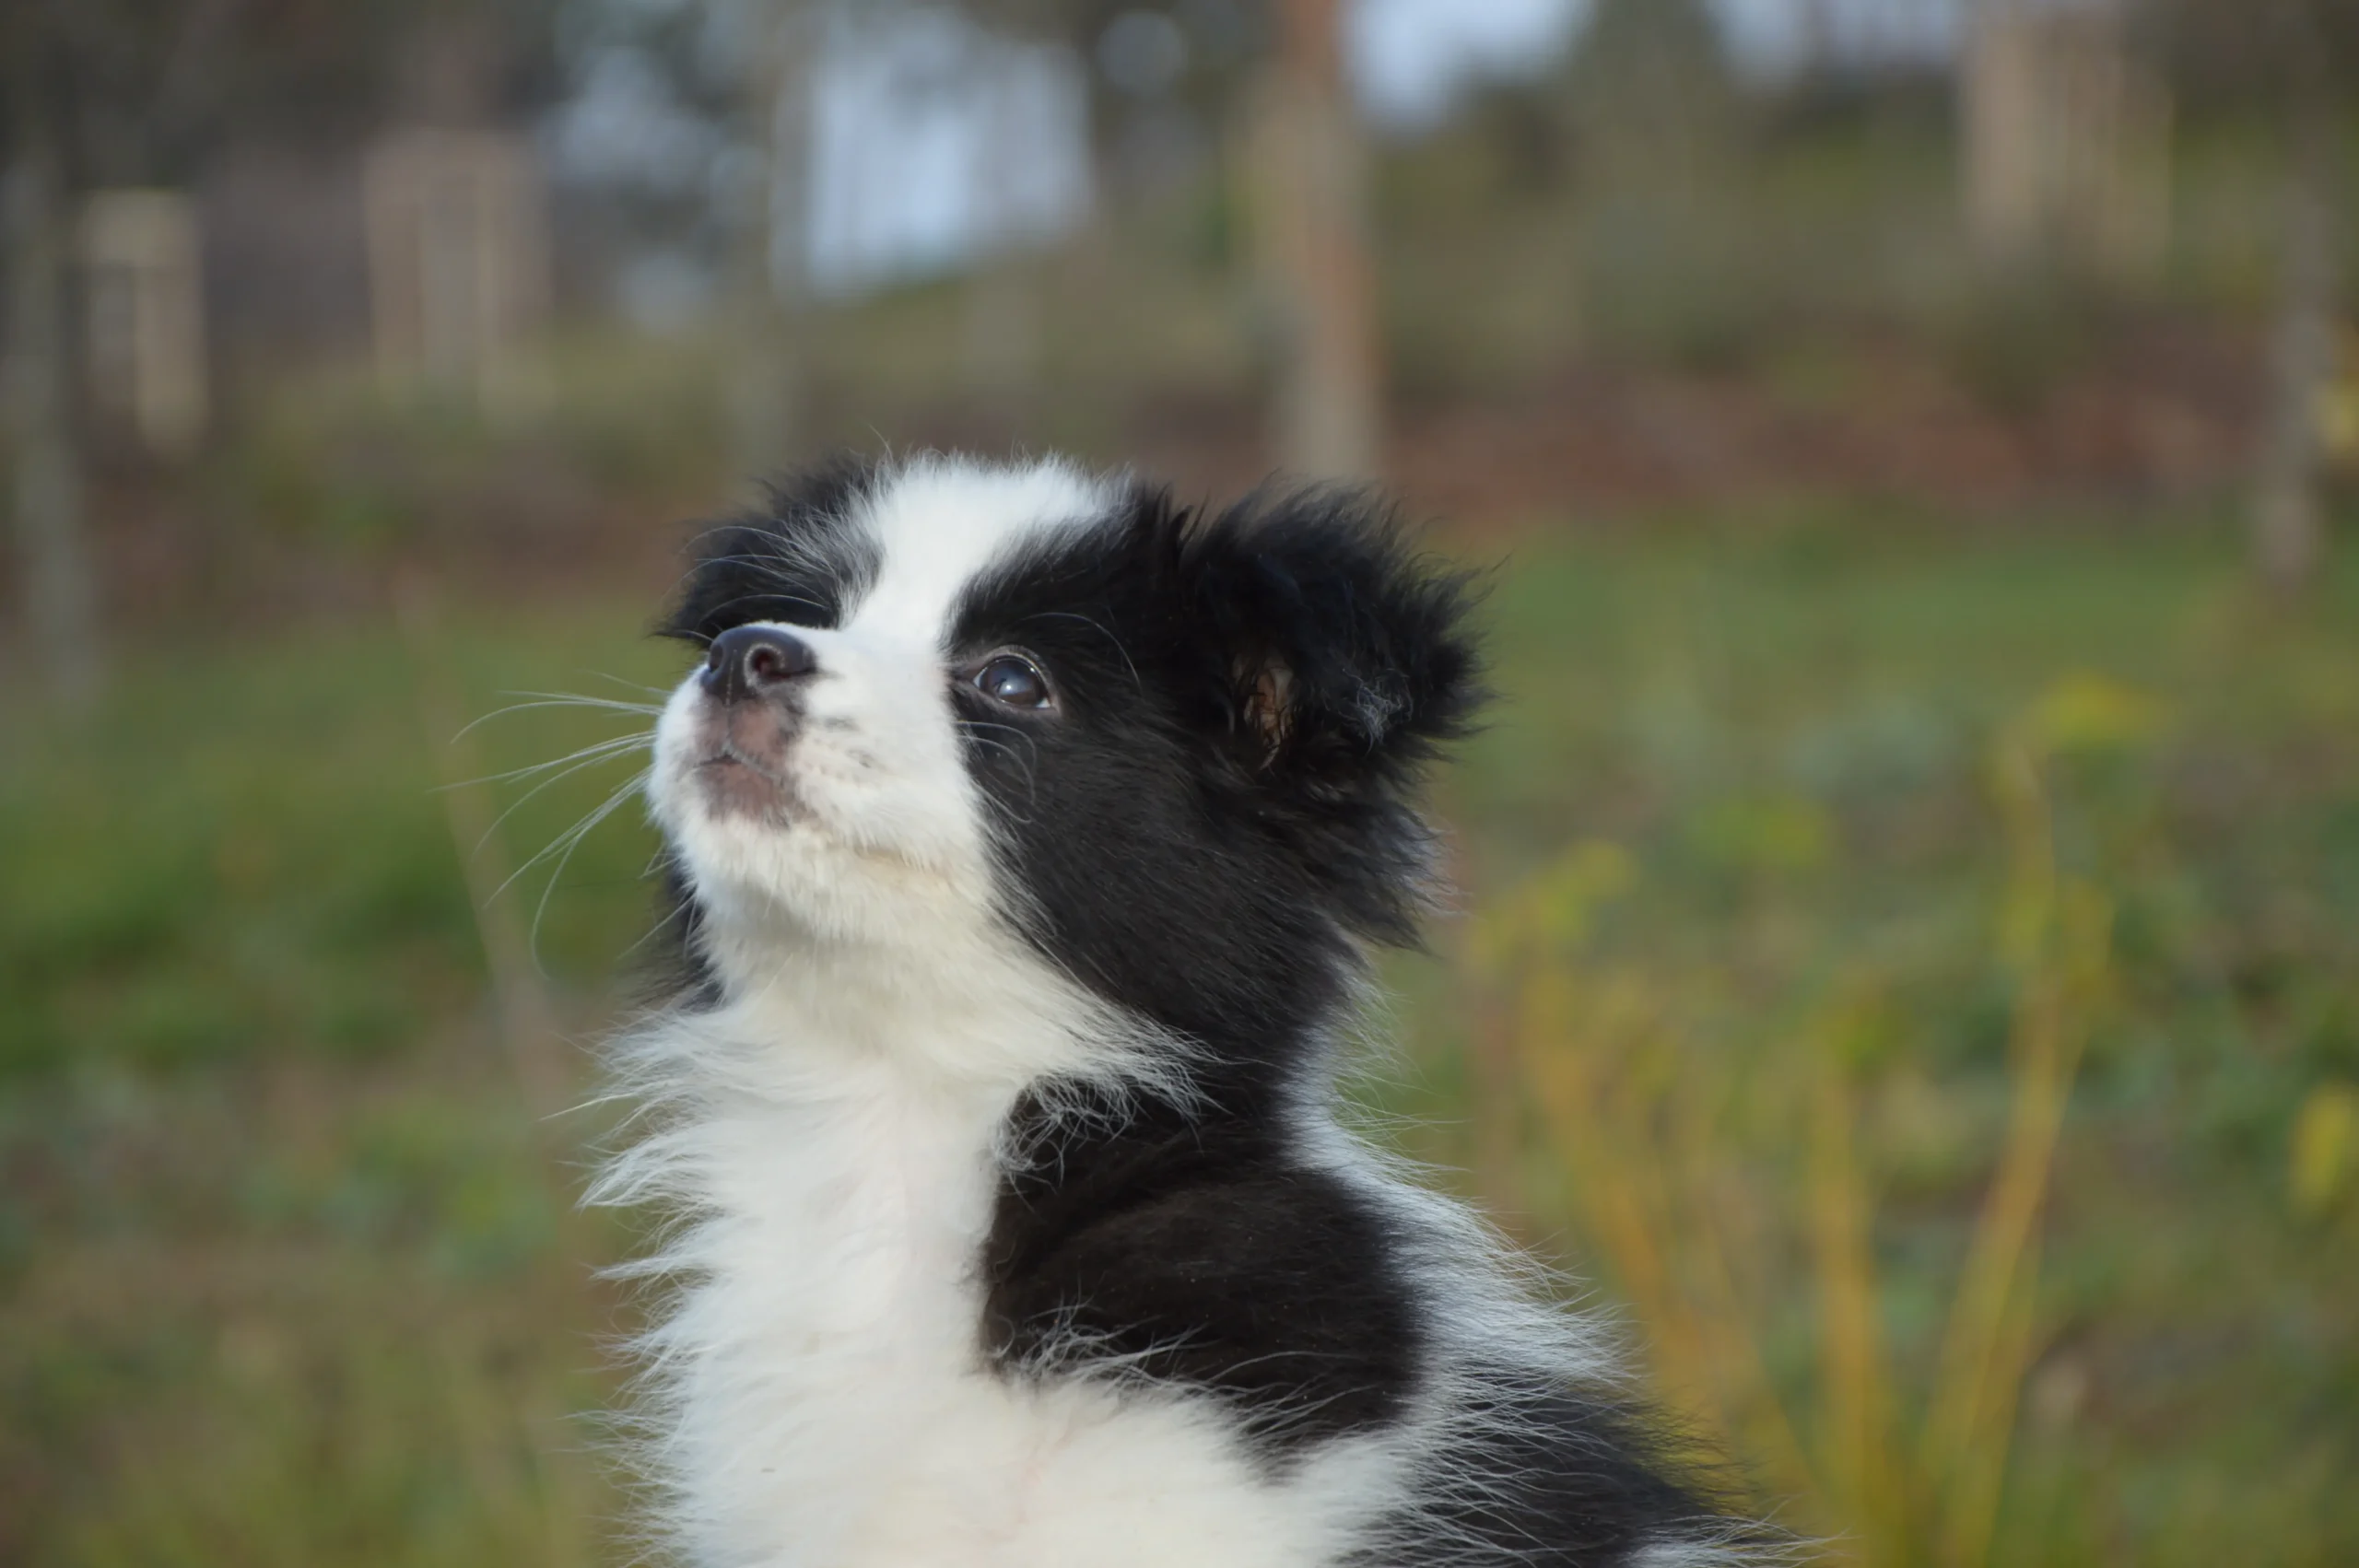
(1003, 340)
(1313, 231)
(61, 597)
(1005, 321)
(766, 319)
(2287, 515)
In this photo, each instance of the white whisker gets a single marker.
(594, 752)
(564, 842)
(605, 751)
(555, 699)
(572, 841)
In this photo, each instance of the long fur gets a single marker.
(991, 1104)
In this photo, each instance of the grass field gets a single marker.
(1917, 974)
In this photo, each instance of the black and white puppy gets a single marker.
(1030, 835)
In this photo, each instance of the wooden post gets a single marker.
(458, 258)
(1313, 228)
(2065, 140)
(2289, 532)
(61, 592)
(143, 302)
(2004, 136)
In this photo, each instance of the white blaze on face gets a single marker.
(877, 834)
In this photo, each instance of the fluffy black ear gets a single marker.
(1345, 656)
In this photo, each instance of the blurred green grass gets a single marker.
(243, 852)
(288, 1273)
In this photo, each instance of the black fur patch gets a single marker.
(1194, 1250)
(1547, 1477)
(678, 973)
(1217, 809)
(799, 561)
(1222, 801)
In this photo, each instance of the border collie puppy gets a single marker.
(1029, 836)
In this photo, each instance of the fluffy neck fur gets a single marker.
(832, 1140)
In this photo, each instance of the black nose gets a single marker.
(747, 661)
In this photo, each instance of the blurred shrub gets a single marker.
(1923, 993)
(2013, 343)
(261, 864)
(1905, 1465)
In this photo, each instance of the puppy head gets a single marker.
(1172, 755)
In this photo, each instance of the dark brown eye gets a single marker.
(1012, 679)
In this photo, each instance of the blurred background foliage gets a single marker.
(1906, 957)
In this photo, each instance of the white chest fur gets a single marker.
(824, 1398)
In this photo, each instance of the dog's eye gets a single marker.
(1014, 679)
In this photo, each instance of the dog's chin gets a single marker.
(731, 784)
(769, 872)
